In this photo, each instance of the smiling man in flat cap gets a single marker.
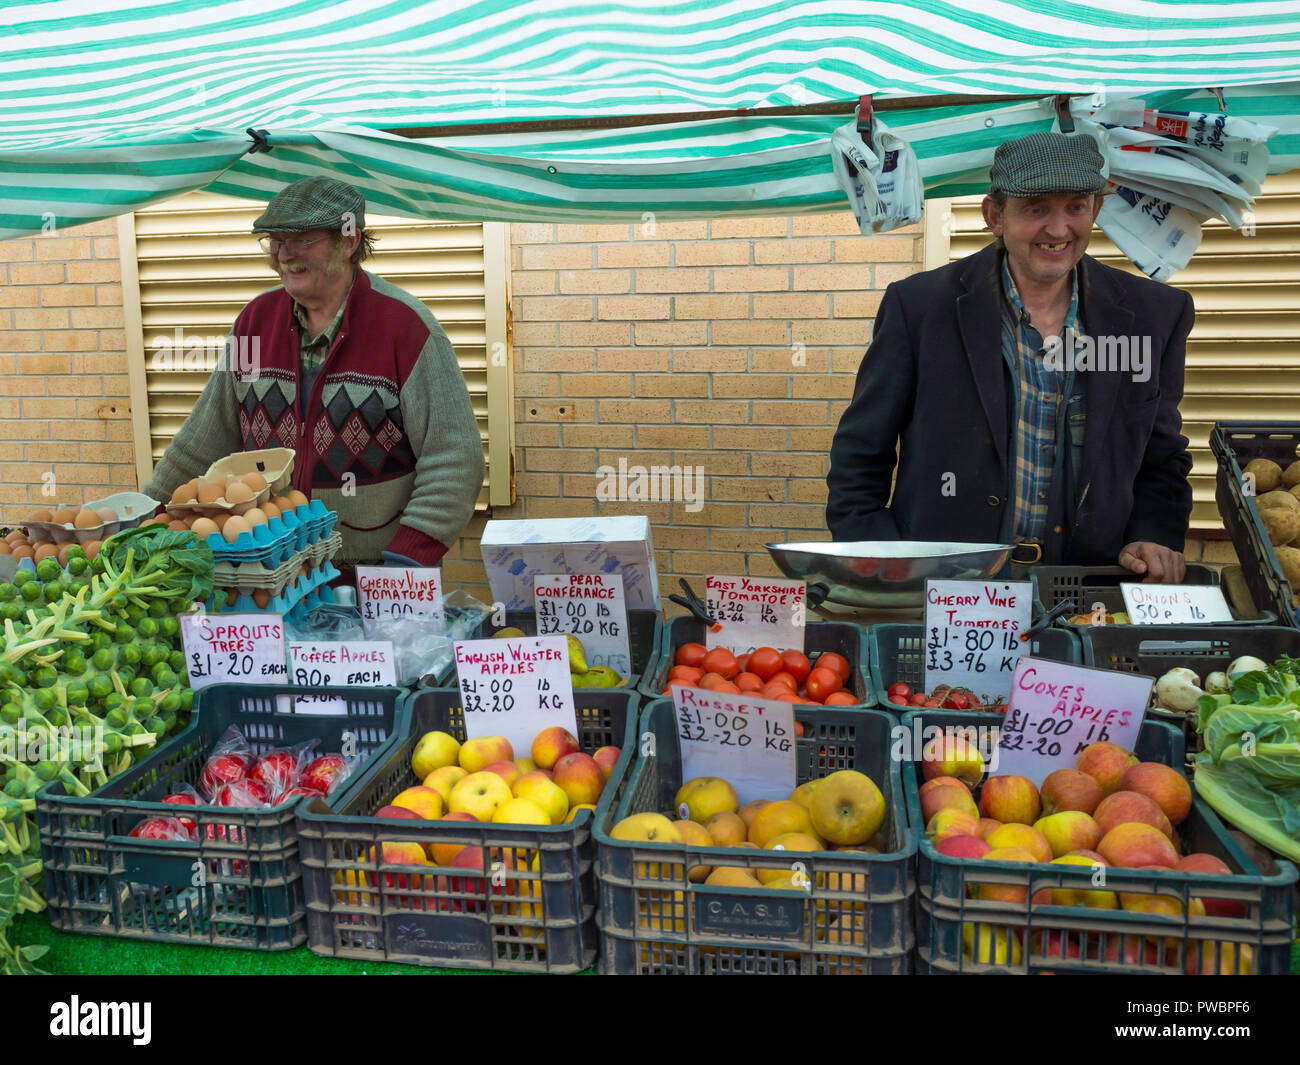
(352, 373)
(1028, 394)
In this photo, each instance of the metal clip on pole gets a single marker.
(1066, 606)
(260, 142)
(865, 120)
(1218, 95)
(692, 602)
(1063, 115)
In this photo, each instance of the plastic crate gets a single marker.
(539, 914)
(645, 631)
(1044, 931)
(654, 920)
(1154, 650)
(897, 654)
(842, 637)
(100, 880)
(1234, 444)
(1088, 585)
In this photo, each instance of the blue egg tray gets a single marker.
(294, 594)
(276, 541)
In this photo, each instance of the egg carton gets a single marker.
(271, 545)
(325, 548)
(275, 464)
(286, 598)
(134, 507)
(321, 596)
(250, 576)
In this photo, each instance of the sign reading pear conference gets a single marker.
(590, 606)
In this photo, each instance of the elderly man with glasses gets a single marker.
(352, 373)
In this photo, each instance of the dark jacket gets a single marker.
(934, 384)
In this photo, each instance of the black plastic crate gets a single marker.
(645, 632)
(653, 919)
(535, 911)
(240, 883)
(1154, 650)
(897, 654)
(1043, 933)
(1234, 444)
(1089, 585)
(842, 637)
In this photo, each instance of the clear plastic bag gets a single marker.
(422, 649)
(882, 181)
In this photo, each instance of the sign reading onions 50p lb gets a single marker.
(1056, 710)
(387, 592)
(747, 742)
(754, 612)
(972, 633)
(515, 688)
(234, 649)
(593, 608)
(1175, 604)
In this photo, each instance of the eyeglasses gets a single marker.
(296, 245)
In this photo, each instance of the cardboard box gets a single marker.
(515, 551)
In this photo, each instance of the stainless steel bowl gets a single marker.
(887, 574)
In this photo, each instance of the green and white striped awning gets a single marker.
(105, 110)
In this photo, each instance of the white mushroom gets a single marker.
(1178, 690)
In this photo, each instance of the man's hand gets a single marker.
(1160, 564)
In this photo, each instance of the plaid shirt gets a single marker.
(1039, 391)
(313, 349)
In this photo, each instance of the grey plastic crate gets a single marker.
(653, 919)
(1089, 585)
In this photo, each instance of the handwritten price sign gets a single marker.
(755, 612)
(515, 688)
(234, 649)
(749, 742)
(385, 592)
(591, 606)
(339, 664)
(971, 633)
(1056, 710)
(1174, 604)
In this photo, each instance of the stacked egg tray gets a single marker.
(289, 587)
(273, 544)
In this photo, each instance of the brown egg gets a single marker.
(107, 514)
(235, 525)
(5, 549)
(211, 492)
(45, 551)
(270, 510)
(86, 519)
(66, 515)
(237, 492)
(17, 534)
(255, 481)
(283, 502)
(91, 547)
(204, 527)
(297, 498)
(23, 551)
(220, 519)
(262, 597)
(232, 594)
(62, 554)
(178, 526)
(43, 514)
(255, 516)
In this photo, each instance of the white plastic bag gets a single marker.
(882, 182)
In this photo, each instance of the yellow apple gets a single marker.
(847, 807)
(443, 779)
(433, 751)
(703, 797)
(476, 755)
(650, 828)
(575, 810)
(520, 812)
(421, 800)
(479, 794)
(539, 788)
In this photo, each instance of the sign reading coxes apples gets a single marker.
(1056, 710)
(340, 664)
(748, 742)
(591, 606)
(385, 592)
(972, 633)
(234, 649)
(1175, 604)
(515, 688)
(754, 612)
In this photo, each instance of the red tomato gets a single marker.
(773, 690)
(931, 703)
(710, 679)
(691, 654)
(899, 693)
(841, 698)
(743, 662)
(919, 699)
(837, 663)
(784, 678)
(748, 682)
(954, 702)
(725, 688)
(786, 697)
(798, 728)
(686, 674)
(822, 682)
(796, 664)
(765, 662)
(720, 660)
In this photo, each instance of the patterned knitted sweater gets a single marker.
(388, 437)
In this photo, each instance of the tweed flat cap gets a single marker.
(313, 203)
(1043, 163)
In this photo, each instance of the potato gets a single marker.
(1277, 498)
(1291, 475)
(1267, 473)
(1281, 524)
(1295, 491)
(1289, 559)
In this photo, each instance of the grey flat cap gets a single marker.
(1043, 163)
(313, 203)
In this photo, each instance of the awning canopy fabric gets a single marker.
(105, 110)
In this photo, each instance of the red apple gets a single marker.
(223, 769)
(325, 773)
(1010, 799)
(962, 847)
(1208, 863)
(607, 759)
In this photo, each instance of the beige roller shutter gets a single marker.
(1244, 350)
(195, 266)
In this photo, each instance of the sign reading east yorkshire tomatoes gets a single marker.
(754, 612)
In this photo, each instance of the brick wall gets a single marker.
(64, 411)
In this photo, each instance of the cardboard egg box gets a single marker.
(275, 464)
(131, 507)
(285, 598)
